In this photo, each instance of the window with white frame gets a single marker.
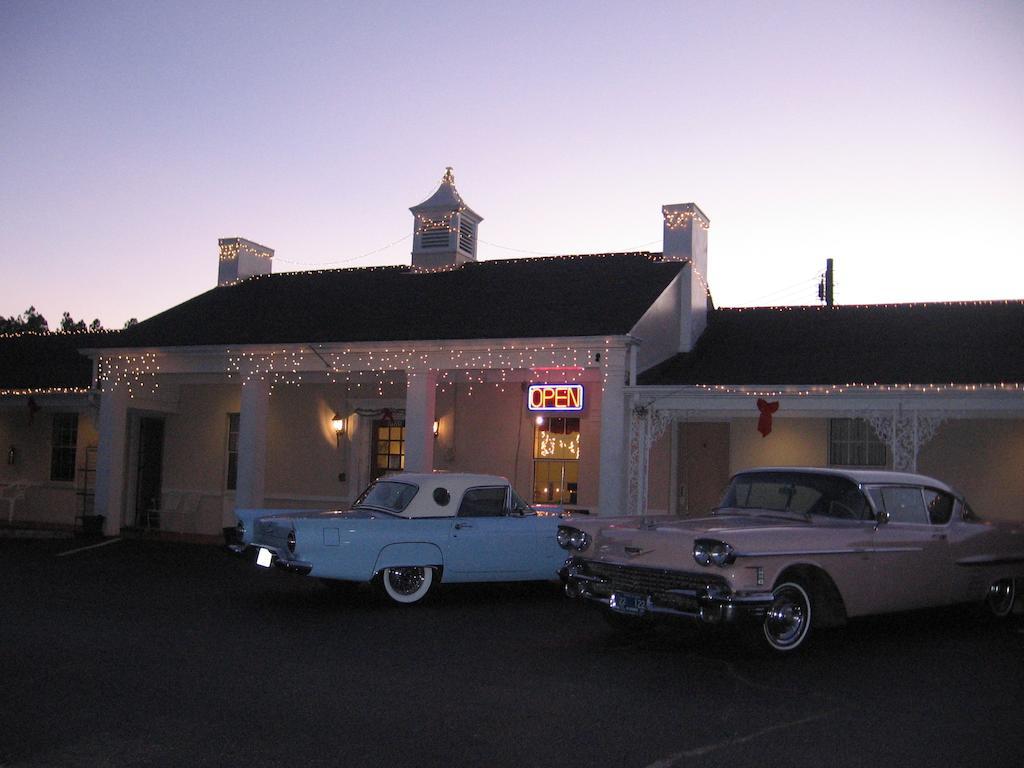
(853, 443)
(63, 446)
(232, 447)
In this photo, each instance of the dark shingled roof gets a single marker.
(514, 298)
(47, 361)
(958, 343)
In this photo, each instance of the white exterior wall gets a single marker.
(195, 459)
(483, 428)
(982, 458)
(793, 442)
(45, 501)
(660, 329)
(493, 433)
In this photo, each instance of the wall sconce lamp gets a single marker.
(338, 425)
(437, 426)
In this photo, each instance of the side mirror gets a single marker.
(881, 517)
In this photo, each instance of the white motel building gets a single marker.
(608, 383)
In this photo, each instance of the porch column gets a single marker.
(419, 421)
(614, 428)
(252, 444)
(111, 459)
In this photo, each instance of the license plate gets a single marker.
(635, 605)
(265, 557)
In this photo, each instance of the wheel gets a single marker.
(787, 622)
(1000, 597)
(408, 584)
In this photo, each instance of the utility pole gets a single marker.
(826, 288)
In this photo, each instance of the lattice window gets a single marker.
(467, 237)
(853, 443)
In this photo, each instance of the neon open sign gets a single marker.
(555, 397)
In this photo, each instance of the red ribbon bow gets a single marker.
(764, 421)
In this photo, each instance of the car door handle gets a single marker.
(460, 526)
(939, 536)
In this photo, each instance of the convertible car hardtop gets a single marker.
(791, 548)
(408, 531)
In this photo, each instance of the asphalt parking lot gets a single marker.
(143, 653)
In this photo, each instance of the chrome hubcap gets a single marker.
(405, 581)
(1000, 597)
(785, 621)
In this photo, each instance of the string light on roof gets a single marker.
(470, 265)
(891, 305)
(76, 332)
(44, 391)
(839, 389)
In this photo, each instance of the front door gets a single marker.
(703, 467)
(148, 472)
(388, 449)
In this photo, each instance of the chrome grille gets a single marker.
(648, 581)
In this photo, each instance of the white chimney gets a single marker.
(241, 258)
(685, 238)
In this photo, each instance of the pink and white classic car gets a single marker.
(793, 549)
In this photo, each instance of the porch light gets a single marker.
(338, 425)
(437, 426)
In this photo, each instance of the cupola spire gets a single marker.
(444, 228)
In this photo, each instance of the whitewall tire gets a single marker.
(787, 623)
(407, 584)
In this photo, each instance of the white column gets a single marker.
(419, 421)
(252, 445)
(111, 459)
(614, 430)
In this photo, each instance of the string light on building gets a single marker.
(137, 372)
(683, 219)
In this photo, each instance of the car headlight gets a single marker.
(713, 552)
(291, 541)
(572, 538)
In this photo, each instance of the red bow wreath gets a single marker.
(764, 421)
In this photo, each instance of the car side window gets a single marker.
(904, 505)
(940, 506)
(483, 502)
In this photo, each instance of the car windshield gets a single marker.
(387, 496)
(806, 494)
(520, 507)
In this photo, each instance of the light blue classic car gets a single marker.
(407, 532)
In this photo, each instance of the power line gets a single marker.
(796, 287)
(343, 261)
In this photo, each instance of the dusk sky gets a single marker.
(888, 136)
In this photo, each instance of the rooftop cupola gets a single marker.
(444, 228)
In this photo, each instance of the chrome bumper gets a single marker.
(711, 605)
(300, 567)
